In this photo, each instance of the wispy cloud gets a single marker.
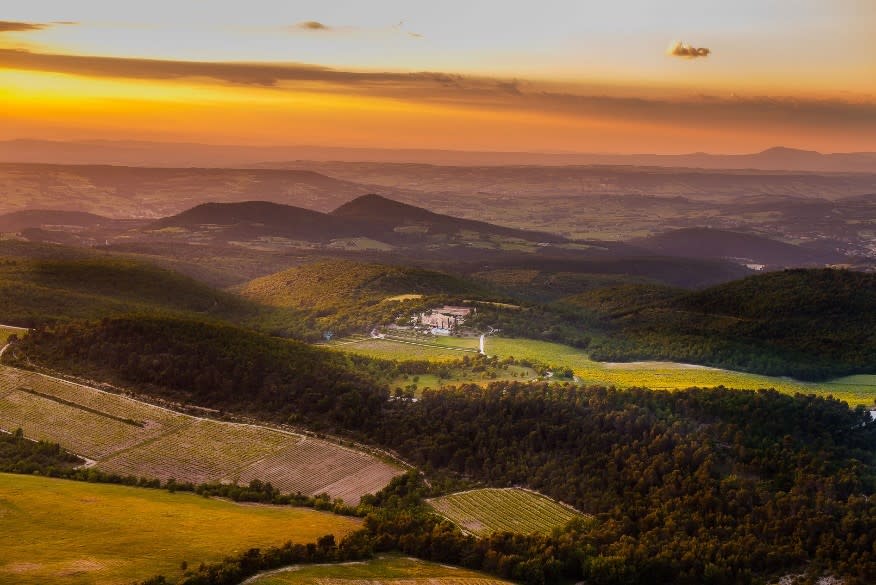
(311, 25)
(400, 26)
(12, 26)
(680, 49)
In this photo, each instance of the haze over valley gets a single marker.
(336, 293)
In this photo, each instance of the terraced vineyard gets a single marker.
(125, 436)
(489, 510)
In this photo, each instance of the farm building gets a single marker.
(445, 318)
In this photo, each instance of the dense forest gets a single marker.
(808, 324)
(342, 297)
(695, 486)
(21, 455)
(216, 365)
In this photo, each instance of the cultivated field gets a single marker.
(485, 511)
(671, 376)
(405, 348)
(385, 570)
(856, 390)
(133, 438)
(68, 532)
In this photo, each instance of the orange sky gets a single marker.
(105, 80)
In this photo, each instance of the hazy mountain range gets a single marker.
(139, 153)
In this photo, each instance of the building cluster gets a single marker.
(444, 320)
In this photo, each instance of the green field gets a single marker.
(457, 376)
(59, 531)
(385, 570)
(408, 347)
(657, 375)
(667, 375)
(489, 510)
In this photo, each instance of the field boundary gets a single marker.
(292, 435)
(342, 442)
(537, 517)
(94, 411)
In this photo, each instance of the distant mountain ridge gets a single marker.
(37, 218)
(368, 216)
(161, 154)
(715, 243)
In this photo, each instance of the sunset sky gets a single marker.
(627, 76)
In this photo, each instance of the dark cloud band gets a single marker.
(467, 91)
(11, 26)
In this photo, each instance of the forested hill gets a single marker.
(809, 324)
(714, 243)
(689, 487)
(213, 365)
(34, 291)
(342, 296)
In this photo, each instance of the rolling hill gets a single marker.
(809, 324)
(737, 246)
(91, 286)
(343, 296)
(149, 193)
(190, 361)
(38, 218)
(386, 218)
(252, 220)
(387, 223)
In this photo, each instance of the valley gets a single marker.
(473, 293)
(673, 362)
(657, 375)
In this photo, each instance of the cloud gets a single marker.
(263, 74)
(311, 25)
(11, 26)
(487, 93)
(680, 49)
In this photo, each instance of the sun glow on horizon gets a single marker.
(570, 77)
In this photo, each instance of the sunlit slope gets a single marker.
(662, 375)
(76, 533)
(383, 570)
(343, 296)
(41, 290)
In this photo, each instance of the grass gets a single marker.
(394, 350)
(459, 376)
(402, 298)
(485, 511)
(384, 570)
(856, 390)
(59, 531)
(668, 375)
